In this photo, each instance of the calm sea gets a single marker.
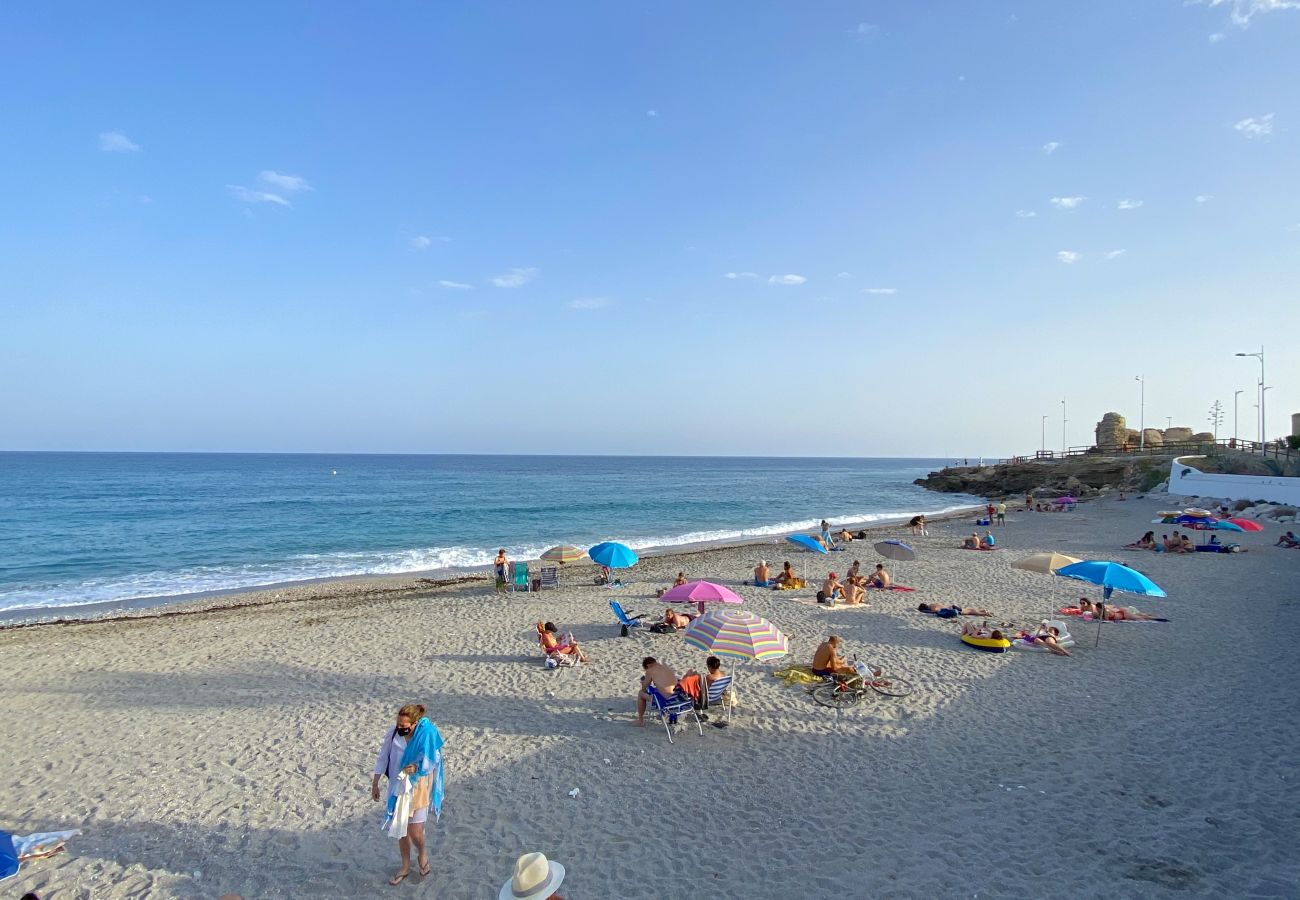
(81, 528)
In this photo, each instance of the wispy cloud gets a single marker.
(1204, 198)
(886, 291)
(734, 275)
(1253, 127)
(652, 113)
(1115, 254)
(278, 181)
(1051, 147)
(117, 142)
(1025, 214)
(1216, 37)
(1067, 202)
(455, 285)
(1069, 257)
(420, 242)
(865, 32)
(786, 279)
(515, 278)
(588, 303)
(1129, 204)
(844, 275)
(1242, 11)
(251, 195)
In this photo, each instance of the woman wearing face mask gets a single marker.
(412, 746)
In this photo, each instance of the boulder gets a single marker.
(1111, 431)
(1205, 436)
(1152, 437)
(1177, 433)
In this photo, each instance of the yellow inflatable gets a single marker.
(987, 644)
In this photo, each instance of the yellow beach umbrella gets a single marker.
(564, 553)
(1044, 563)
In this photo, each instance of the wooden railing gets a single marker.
(1276, 450)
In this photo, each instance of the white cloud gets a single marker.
(588, 303)
(1067, 202)
(455, 285)
(1216, 37)
(1051, 147)
(786, 279)
(1025, 214)
(734, 275)
(1129, 204)
(1204, 198)
(1242, 11)
(1069, 257)
(652, 113)
(249, 195)
(844, 275)
(1253, 127)
(1115, 254)
(420, 242)
(886, 291)
(515, 278)
(865, 31)
(117, 142)
(281, 182)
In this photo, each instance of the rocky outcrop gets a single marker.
(1111, 432)
(1204, 436)
(1082, 476)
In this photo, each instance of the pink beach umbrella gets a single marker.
(700, 593)
(1246, 524)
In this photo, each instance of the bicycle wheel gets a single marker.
(834, 696)
(891, 686)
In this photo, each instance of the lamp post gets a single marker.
(1044, 430)
(1142, 411)
(1262, 417)
(1235, 395)
(1169, 422)
(1063, 421)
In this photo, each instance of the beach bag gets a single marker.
(662, 628)
(622, 632)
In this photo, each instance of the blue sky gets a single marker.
(815, 229)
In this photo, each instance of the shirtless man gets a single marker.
(761, 573)
(880, 578)
(971, 543)
(661, 676)
(827, 659)
(831, 587)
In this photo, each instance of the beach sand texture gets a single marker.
(231, 750)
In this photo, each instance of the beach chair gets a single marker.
(628, 622)
(670, 709)
(550, 577)
(554, 660)
(719, 694)
(519, 577)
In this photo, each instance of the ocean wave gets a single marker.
(313, 566)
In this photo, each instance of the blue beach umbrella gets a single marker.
(808, 543)
(613, 555)
(1111, 576)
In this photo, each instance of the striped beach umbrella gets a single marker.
(737, 634)
(564, 553)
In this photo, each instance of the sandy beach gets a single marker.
(229, 750)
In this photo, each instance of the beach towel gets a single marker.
(892, 587)
(1074, 611)
(8, 856)
(399, 808)
(424, 751)
(689, 686)
(42, 844)
(796, 674)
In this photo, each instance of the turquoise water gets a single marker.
(81, 528)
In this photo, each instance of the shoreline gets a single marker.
(385, 586)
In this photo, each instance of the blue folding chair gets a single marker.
(624, 619)
(669, 708)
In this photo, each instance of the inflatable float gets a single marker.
(987, 644)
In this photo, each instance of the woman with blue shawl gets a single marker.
(413, 748)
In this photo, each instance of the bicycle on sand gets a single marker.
(842, 691)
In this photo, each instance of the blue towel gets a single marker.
(424, 751)
(8, 856)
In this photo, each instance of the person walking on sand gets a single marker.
(412, 747)
(1002, 512)
(501, 569)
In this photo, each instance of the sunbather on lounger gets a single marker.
(1044, 637)
(551, 643)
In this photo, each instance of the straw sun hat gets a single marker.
(535, 878)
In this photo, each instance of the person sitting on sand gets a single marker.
(1185, 543)
(677, 582)
(832, 588)
(1115, 613)
(1045, 637)
(676, 619)
(1146, 542)
(880, 578)
(827, 660)
(854, 573)
(918, 525)
(661, 676)
(971, 543)
(787, 576)
(982, 630)
(1288, 540)
(988, 542)
(761, 574)
(551, 643)
(845, 536)
(951, 612)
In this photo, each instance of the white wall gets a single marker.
(1272, 488)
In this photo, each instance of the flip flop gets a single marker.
(398, 879)
(425, 870)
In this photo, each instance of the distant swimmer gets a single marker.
(334, 471)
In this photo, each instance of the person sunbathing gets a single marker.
(951, 612)
(552, 645)
(845, 536)
(1045, 637)
(982, 630)
(1146, 542)
(880, 578)
(761, 574)
(827, 660)
(1115, 613)
(676, 619)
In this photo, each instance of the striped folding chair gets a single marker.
(719, 694)
(670, 709)
(550, 577)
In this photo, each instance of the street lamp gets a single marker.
(1063, 421)
(1262, 417)
(1044, 430)
(1142, 411)
(1235, 395)
(1169, 422)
